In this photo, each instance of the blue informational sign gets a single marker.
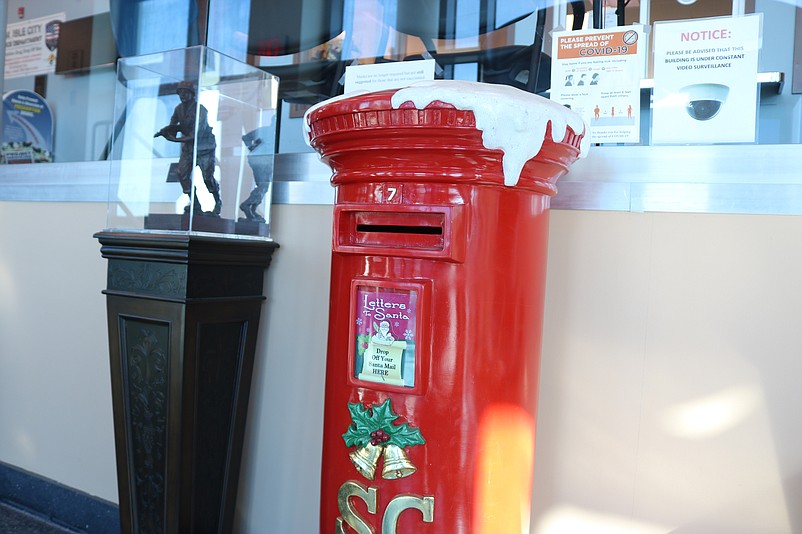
(27, 128)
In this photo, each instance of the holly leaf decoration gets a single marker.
(358, 433)
(354, 439)
(360, 416)
(404, 436)
(364, 421)
(384, 416)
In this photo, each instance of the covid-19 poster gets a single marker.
(597, 73)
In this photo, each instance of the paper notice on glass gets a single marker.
(705, 88)
(27, 128)
(597, 73)
(387, 75)
(31, 46)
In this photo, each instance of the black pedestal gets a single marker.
(183, 314)
(200, 223)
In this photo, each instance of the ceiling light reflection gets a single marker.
(713, 414)
(572, 520)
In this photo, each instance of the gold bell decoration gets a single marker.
(396, 463)
(365, 459)
(373, 433)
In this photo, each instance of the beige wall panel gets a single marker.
(669, 384)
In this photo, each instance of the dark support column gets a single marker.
(598, 18)
(183, 313)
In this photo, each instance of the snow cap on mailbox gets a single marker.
(494, 133)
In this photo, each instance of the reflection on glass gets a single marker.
(309, 43)
(147, 26)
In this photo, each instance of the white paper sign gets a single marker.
(705, 80)
(382, 76)
(597, 73)
(31, 46)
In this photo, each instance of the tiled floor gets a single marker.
(15, 521)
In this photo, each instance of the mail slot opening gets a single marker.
(394, 230)
(399, 229)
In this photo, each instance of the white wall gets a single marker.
(280, 484)
(55, 392)
(670, 374)
(669, 385)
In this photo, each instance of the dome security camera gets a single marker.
(705, 99)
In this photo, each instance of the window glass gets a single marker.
(308, 44)
(76, 81)
(75, 77)
(495, 41)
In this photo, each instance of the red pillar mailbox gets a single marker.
(437, 286)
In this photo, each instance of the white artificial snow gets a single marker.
(510, 120)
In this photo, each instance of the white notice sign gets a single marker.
(705, 80)
(387, 75)
(31, 46)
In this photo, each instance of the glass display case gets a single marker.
(193, 145)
